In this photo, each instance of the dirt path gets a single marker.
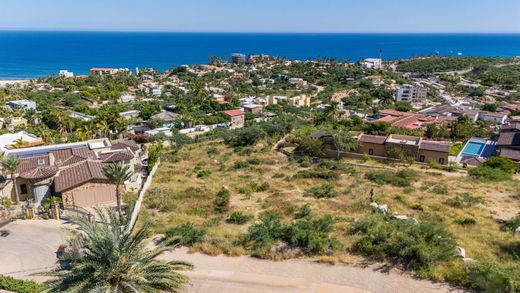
(246, 274)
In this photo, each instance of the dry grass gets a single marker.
(181, 194)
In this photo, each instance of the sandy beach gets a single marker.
(5, 82)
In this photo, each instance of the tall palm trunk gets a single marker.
(119, 204)
(16, 196)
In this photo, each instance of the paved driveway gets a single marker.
(30, 247)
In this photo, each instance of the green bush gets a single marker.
(20, 286)
(401, 178)
(309, 234)
(317, 173)
(312, 235)
(490, 174)
(222, 200)
(466, 222)
(187, 233)
(262, 235)
(501, 163)
(245, 136)
(512, 224)
(465, 200)
(304, 211)
(487, 277)
(417, 246)
(241, 165)
(254, 187)
(238, 218)
(323, 191)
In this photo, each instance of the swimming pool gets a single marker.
(473, 148)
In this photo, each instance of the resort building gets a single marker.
(107, 71)
(238, 58)
(371, 63)
(414, 94)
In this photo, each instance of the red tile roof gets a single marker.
(117, 156)
(234, 112)
(78, 174)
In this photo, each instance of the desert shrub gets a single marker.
(262, 235)
(187, 234)
(465, 221)
(312, 235)
(417, 246)
(304, 211)
(487, 277)
(512, 224)
(240, 165)
(440, 189)
(213, 151)
(501, 163)
(202, 172)
(465, 200)
(488, 173)
(401, 178)
(221, 202)
(305, 162)
(245, 136)
(278, 175)
(254, 161)
(238, 218)
(323, 191)
(154, 152)
(21, 286)
(451, 167)
(317, 173)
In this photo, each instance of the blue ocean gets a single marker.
(25, 54)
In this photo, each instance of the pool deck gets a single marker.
(487, 151)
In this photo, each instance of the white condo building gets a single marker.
(414, 94)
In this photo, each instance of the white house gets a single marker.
(499, 118)
(22, 104)
(127, 97)
(408, 93)
(12, 138)
(66, 73)
(371, 63)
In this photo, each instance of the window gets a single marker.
(421, 159)
(371, 152)
(441, 161)
(23, 188)
(41, 162)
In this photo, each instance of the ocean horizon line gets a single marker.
(248, 32)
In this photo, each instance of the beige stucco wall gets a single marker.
(97, 196)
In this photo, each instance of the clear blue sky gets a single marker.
(264, 15)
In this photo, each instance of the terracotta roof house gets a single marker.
(236, 118)
(73, 171)
(416, 147)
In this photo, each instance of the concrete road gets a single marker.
(250, 275)
(30, 247)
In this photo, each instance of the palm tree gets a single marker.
(106, 256)
(117, 174)
(11, 163)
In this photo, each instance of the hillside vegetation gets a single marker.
(254, 200)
